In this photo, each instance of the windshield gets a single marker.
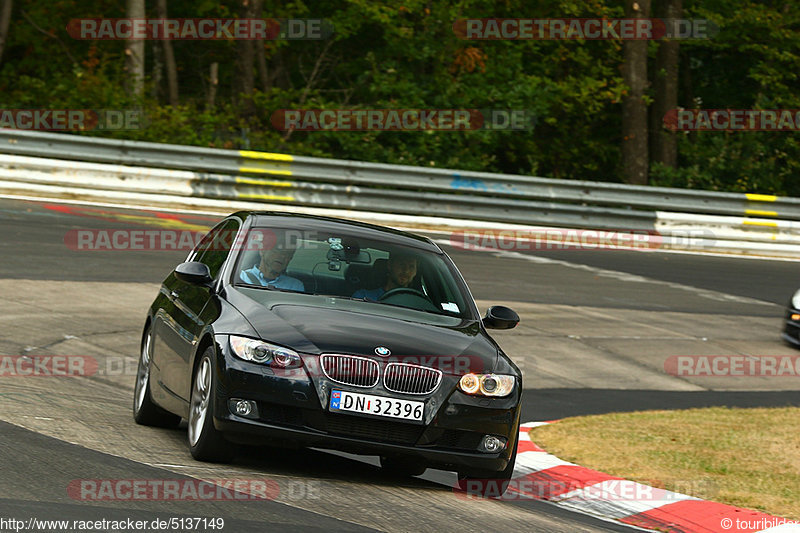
(345, 266)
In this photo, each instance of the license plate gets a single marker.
(376, 405)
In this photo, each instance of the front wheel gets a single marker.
(205, 442)
(145, 411)
(488, 484)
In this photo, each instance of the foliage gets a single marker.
(406, 55)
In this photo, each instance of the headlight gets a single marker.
(258, 351)
(796, 300)
(497, 385)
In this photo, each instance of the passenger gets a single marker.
(401, 269)
(270, 271)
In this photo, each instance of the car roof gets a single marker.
(302, 221)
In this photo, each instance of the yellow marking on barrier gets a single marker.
(265, 163)
(265, 197)
(247, 154)
(259, 170)
(761, 197)
(760, 223)
(267, 183)
(757, 213)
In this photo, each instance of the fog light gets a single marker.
(492, 444)
(245, 408)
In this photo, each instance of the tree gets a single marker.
(169, 59)
(404, 56)
(664, 144)
(244, 62)
(134, 52)
(5, 19)
(634, 107)
(261, 56)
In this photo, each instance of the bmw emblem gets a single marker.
(383, 351)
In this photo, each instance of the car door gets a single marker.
(182, 326)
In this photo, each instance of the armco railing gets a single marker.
(333, 183)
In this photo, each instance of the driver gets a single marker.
(401, 269)
(271, 270)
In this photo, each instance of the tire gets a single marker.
(486, 483)
(205, 442)
(145, 411)
(400, 467)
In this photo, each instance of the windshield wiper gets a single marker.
(342, 297)
(269, 288)
(437, 313)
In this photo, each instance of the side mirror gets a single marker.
(500, 317)
(195, 273)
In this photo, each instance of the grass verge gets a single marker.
(743, 457)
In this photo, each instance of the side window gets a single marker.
(215, 247)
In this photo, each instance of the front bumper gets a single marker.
(293, 410)
(791, 328)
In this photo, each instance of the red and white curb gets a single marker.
(541, 476)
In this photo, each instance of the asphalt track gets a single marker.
(614, 310)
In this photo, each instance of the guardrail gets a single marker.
(152, 168)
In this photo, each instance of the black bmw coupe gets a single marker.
(296, 330)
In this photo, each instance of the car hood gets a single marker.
(318, 324)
